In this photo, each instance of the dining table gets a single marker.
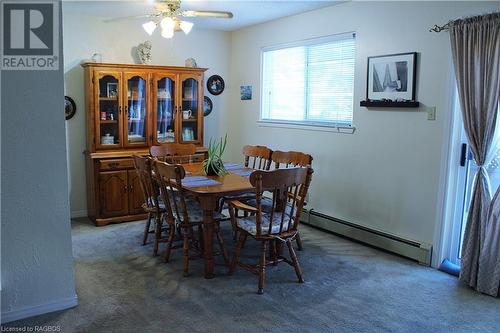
(209, 190)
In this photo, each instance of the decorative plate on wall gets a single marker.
(215, 85)
(69, 107)
(207, 106)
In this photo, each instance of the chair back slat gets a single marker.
(289, 159)
(174, 153)
(257, 157)
(289, 188)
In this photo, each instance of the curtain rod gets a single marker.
(439, 28)
(444, 27)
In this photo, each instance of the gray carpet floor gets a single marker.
(349, 288)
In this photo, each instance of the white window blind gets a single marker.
(310, 82)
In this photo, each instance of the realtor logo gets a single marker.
(30, 35)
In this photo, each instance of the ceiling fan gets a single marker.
(168, 16)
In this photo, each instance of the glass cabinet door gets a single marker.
(190, 109)
(108, 130)
(164, 123)
(135, 109)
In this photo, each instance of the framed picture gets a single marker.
(112, 89)
(207, 106)
(392, 77)
(215, 85)
(245, 93)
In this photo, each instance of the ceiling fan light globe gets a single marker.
(186, 26)
(149, 27)
(167, 33)
(167, 23)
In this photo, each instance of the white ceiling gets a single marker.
(246, 12)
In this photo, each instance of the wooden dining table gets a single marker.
(209, 197)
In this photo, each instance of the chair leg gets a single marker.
(157, 234)
(221, 243)
(200, 240)
(170, 240)
(279, 248)
(185, 249)
(262, 267)
(295, 262)
(299, 242)
(272, 252)
(234, 262)
(233, 213)
(146, 230)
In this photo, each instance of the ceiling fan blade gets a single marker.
(129, 18)
(198, 13)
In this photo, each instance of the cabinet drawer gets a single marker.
(126, 163)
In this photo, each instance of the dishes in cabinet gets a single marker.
(107, 139)
(136, 138)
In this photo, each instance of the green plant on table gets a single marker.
(213, 165)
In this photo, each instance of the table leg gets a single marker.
(208, 204)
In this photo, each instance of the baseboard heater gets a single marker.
(420, 252)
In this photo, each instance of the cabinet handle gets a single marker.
(125, 188)
(113, 165)
(131, 188)
(120, 109)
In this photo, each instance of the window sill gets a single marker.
(307, 126)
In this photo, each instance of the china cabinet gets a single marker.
(128, 109)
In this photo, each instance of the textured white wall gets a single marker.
(385, 176)
(84, 35)
(37, 261)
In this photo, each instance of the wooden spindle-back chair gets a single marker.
(181, 211)
(287, 159)
(175, 153)
(257, 157)
(289, 188)
(152, 203)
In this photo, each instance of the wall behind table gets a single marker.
(85, 35)
(385, 176)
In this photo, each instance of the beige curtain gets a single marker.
(475, 44)
(488, 277)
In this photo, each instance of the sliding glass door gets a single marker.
(465, 170)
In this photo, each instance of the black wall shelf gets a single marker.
(386, 104)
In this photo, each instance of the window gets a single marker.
(309, 82)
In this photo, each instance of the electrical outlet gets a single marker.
(431, 113)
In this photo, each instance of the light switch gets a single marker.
(431, 113)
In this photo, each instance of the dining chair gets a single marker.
(182, 212)
(287, 159)
(176, 153)
(152, 205)
(257, 157)
(289, 188)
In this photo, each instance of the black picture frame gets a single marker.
(215, 85)
(208, 105)
(401, 90)
(69, 107)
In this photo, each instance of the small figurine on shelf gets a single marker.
(144, 52)
(190, 62)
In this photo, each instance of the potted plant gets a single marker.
(213, 165)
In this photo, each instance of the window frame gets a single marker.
(305, 124)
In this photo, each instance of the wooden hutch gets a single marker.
(130, 108)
